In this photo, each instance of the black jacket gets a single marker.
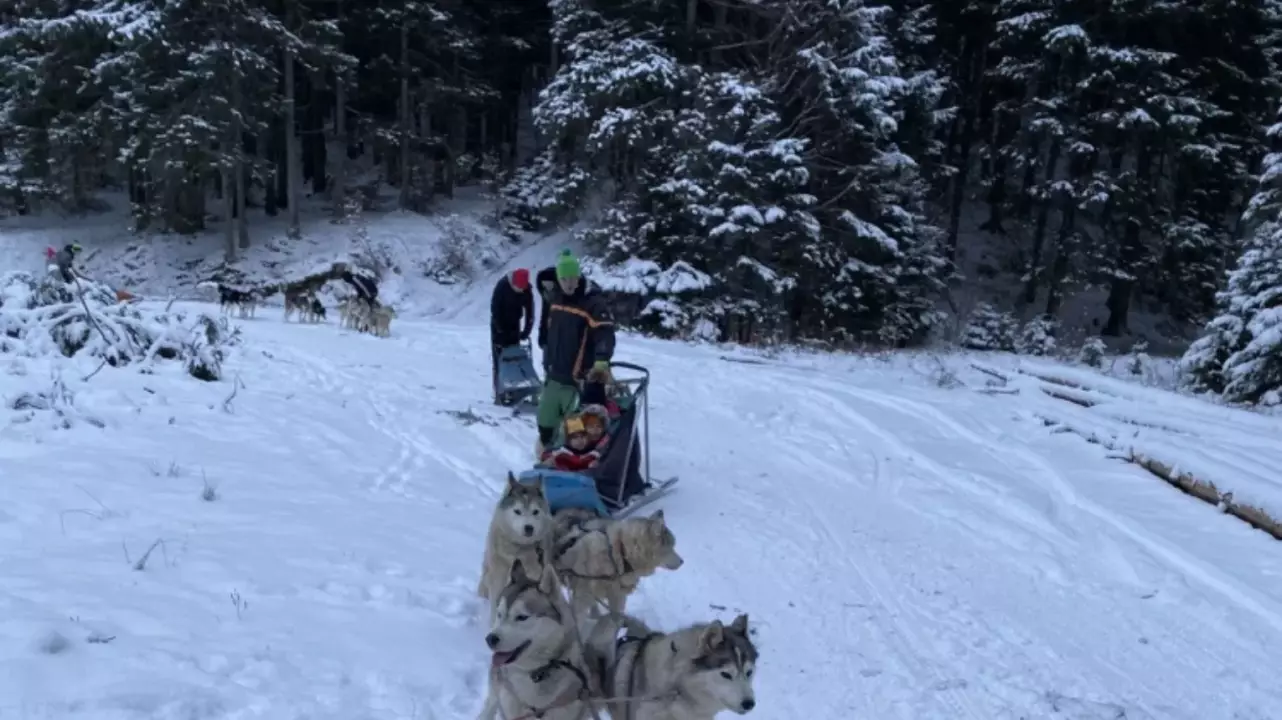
(580, 332)
(507, 305)
(545, 284)
(365, 287)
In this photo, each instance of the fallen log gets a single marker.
(991, 373)
(1208, 492)
(1186, 482)
(1075, 385)
(1070, 398)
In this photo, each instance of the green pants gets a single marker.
(555, 402)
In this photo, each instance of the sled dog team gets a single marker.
(557, 656)
(355, 312)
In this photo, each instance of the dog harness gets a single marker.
(642, 642)
(618, 560)
(573, 695)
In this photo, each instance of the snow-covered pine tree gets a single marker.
(1214, 148)
(1253, 374)
(874, 270)
(991, 329)
(1240, 353)
(728, 200)
(603, 113)
(1037, 337)
(53, 139)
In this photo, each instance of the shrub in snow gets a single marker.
(40, 317)
(671, 301)
(464, 252)
(1038, 336)
(1139, 361)
(1092, 353)
(374, 261)
(990, 329)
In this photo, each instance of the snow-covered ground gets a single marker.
(905, 550)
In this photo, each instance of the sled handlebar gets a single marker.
(630, 366)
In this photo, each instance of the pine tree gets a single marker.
(873, 271)
(1240, 353)
(52, 103)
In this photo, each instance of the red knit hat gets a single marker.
(521, 279)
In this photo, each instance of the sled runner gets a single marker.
(620, 484)
(518, 382)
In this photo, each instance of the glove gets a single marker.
(602, 366)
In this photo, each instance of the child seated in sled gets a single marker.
(585, 439)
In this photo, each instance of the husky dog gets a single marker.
(315, 310)
(520, 529)
(345, 308)
(603, 559)
(691, 674)
(297, 301)
(537, 669)
(243, 302)
(358, 314)
(381, 320)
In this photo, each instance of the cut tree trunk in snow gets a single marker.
(1068, 397)
(1187, 483)
(1208, 492)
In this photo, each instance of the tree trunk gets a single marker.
(406, 117)
(338, 193)
(1039, 234)
(1059, 270)
(295, 230)
(1132, 253)
(265, 143)
(237, 191)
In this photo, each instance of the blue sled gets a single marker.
(567, 490)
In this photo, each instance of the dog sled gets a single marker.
(518, 383)
(620, 483)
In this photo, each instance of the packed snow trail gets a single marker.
(904, 551)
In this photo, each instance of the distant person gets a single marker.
(511, 317)
(366, 289)
(580, 343)
(65, 260)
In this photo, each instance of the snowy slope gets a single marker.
(165, 265)
(906, 551)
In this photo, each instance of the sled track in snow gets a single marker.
(1068, 495)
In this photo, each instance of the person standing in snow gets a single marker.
(546, 282)
(365, 288)
(580, 344)
(511, 317)
(65, 259)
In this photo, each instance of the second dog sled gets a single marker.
(620, 484)
(518, 383)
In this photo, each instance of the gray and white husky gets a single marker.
(537, 669)
(520, 529)
(602, 560)
(691, 674)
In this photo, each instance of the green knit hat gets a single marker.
(567, 266)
